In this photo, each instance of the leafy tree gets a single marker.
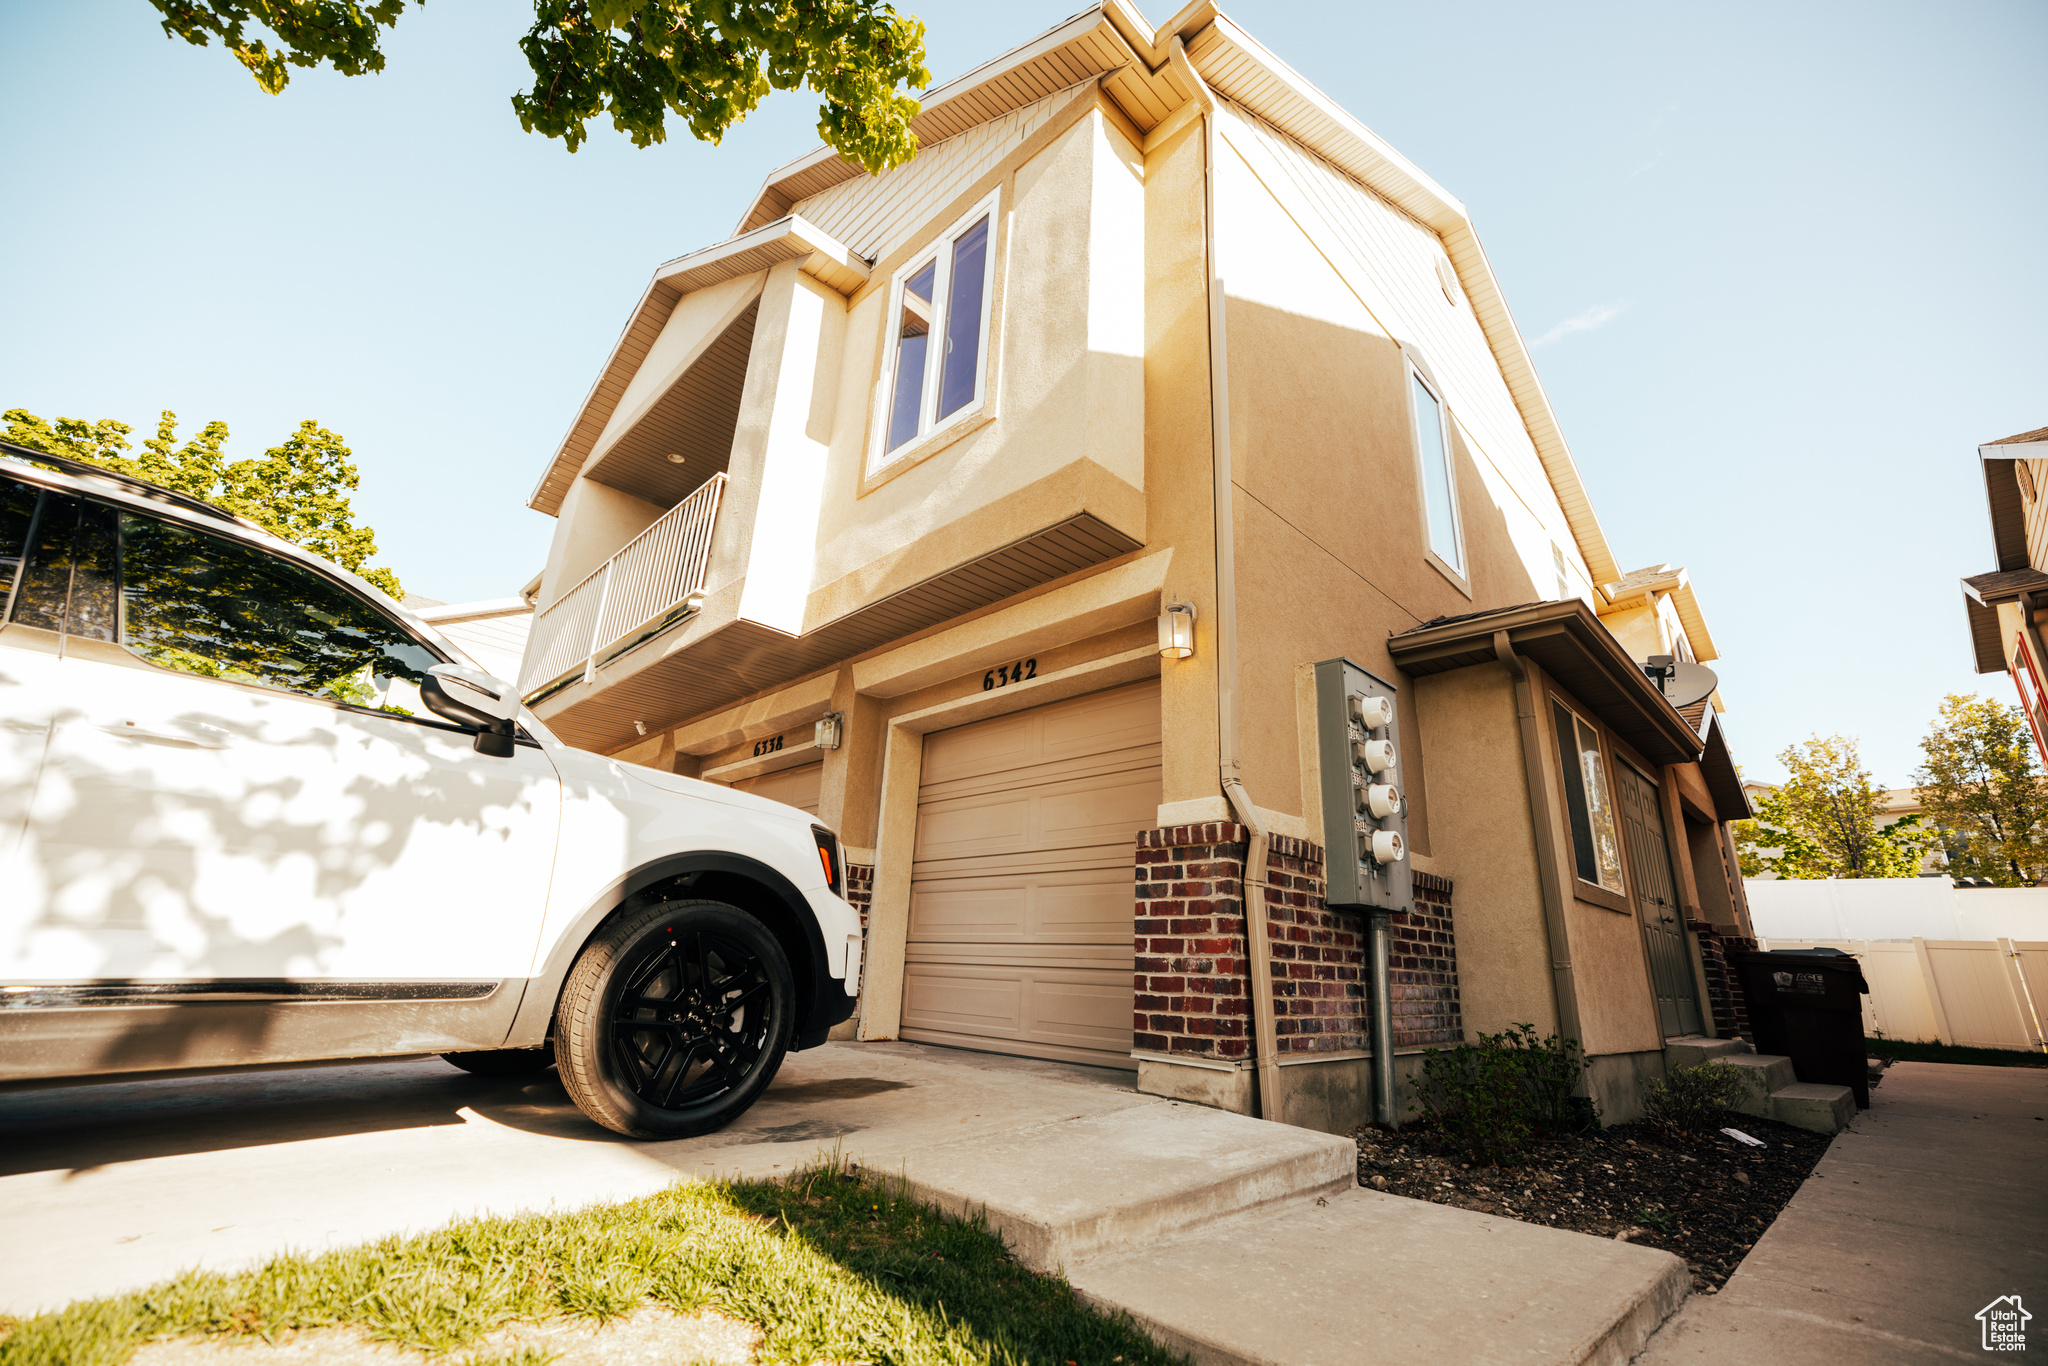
(1823, 821)
(1980, 784)
(298, 490)
(709, 62)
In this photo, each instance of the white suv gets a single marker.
(253, 812)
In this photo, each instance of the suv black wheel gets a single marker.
(503, 1062)
(674, 1019)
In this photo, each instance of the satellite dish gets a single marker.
(1681, 683)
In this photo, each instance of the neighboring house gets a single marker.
(1895, 805)
(879, 506)
(2006, 606)
(491, 631)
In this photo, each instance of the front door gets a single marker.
(1656, 897)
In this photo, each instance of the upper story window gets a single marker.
(1564, 573)
(1439, 492)
(1596, 849)
(938, 333)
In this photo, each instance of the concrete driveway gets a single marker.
(111, 1187)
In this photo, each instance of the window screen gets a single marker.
(1596, 850)
(1438, 499)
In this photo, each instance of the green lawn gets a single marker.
(831, 1265)
(1900, 1051)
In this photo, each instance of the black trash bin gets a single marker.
(1807, 1005)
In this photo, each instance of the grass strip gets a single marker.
(1899, 1050)
(833, 1265)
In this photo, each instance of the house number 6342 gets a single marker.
(1003, 675)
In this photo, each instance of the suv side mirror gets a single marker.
(471, 697)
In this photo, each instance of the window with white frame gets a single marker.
(1589, 804)
(1439, 493)
(1564, 573)
(938, 333)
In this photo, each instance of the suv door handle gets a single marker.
(200, 737)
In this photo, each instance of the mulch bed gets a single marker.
(1707, 1199)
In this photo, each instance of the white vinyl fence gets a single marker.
(1893, 908)
(1972, 992)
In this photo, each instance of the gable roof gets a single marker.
(824, 257)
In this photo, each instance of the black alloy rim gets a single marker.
(691, 1019)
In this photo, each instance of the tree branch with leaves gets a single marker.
(298, 490)
(708, 62)
(1981, 784)
(1823, 821)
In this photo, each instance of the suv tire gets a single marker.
(502, 1062)
(645, 1049)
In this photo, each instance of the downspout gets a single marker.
(1259, 948)
(1548, 865)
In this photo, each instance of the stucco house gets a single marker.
(998, 509)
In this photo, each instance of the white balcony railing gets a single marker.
(657, 576)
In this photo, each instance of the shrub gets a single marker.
(1691, 1100)
(1490, 1100)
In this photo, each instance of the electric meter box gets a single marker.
(1365, 817)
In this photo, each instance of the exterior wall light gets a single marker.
(825, 735)
(1177, 630)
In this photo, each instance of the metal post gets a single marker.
(1386, 1104)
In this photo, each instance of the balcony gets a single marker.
(656, 581)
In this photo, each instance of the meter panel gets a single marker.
(1365, 817)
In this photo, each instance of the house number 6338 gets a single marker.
(1003, 675)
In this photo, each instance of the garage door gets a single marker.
(799, 787)
(1020, 894)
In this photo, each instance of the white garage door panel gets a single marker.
(1061, 908)
(1072, 1015)
(1020, 903)
(1071, 815)
(799, 787)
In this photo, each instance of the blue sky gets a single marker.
(1783, 265)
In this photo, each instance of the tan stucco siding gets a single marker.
(1053, 402)
(595, 522)
(1479, 815)
(1388, 262)
(1179, 475)
(879, 215)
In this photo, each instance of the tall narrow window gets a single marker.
(1438, 495)
(939, 332)
(1564, 576)
(1595, 848)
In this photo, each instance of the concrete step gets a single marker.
(1096, 1183)
(1694, 1049)
(1813, 1105)
(1360, 1276)
(1762, 1074)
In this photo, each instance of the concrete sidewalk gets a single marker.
(1236, 1240)
(1932, 1206)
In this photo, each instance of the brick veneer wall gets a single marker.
(1725, 998)
(1191, 971)
(860, 894)
(1423, 976)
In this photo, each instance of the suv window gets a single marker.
(188, 600)
(64, 561)
(208, 605)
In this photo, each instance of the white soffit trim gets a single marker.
(1239, 67)
(2015, 450)
(790, 238)
(483, 610)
